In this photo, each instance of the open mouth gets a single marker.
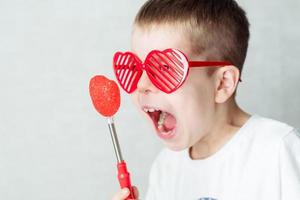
(164, 122)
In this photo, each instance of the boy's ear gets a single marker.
(227, 78)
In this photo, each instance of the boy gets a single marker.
(215, 150)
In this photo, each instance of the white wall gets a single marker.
(53, 145)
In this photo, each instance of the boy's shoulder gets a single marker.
(269, 137)
(267, 130)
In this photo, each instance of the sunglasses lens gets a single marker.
(167, 70)
(127, 70)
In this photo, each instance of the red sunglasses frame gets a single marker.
(129, 60)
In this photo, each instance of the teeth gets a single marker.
(161, 120)
(150, 109)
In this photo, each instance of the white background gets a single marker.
(53, 145)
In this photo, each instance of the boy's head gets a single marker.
(216, 29)
(204, 30)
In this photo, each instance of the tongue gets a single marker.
(170, 122)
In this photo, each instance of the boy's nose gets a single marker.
(145, 85)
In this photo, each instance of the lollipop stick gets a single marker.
(114, 138)
(123, 174)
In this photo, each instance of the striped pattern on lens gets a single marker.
(128, 70)
(167, 69)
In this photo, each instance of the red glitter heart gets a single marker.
(105, 95)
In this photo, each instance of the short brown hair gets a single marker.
(218, 29)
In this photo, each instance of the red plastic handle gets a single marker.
(124, 179)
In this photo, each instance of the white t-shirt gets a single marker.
(260, 162)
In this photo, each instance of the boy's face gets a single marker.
(189, 111)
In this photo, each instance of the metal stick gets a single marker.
(114, 139)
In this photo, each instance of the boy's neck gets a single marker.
(229, 119)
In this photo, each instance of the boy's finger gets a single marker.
(136, 192)
(121, 195)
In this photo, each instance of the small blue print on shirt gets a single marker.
(207, 198)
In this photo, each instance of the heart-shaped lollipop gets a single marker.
(105, 95)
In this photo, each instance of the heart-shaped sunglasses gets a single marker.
(167, 69)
